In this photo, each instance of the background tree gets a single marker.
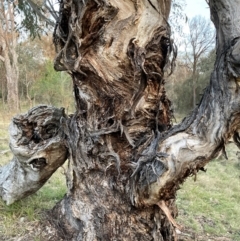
(197, 44)
(38, 79)
(44, 88)
(16, 16)
(126, 162)
(37, 17)
(3, 84)
(31, 60)
(179, 84)
(8, 53)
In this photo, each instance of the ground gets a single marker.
(36, 231)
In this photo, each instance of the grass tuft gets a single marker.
(17, 218)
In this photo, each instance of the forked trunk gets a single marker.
(116, 52)
(126, 161)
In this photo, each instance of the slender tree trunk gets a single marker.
(8, 42)
(27, 84)
(199, 41)
(12, 83)
(3, 86)
(194, 80)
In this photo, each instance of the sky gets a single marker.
(192, 8)
(197, 7)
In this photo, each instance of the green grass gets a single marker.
(17, 218)
(211, 204)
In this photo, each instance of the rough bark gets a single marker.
(116, 53)
(203, 135)
(126, 163)
(37, 143)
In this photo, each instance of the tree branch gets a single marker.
(38, 144)
(213, 122)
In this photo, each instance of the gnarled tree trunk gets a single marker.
(126, 161)
(116, 52)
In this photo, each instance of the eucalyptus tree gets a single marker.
(17, 17)
(8, 53)
(126, 161)
(36, 17)
(198, 44)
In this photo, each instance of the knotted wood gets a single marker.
(38, 145)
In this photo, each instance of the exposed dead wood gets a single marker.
(116, 52)
(38, 145)
(167, 212)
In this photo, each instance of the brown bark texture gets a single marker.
(116, 52)
(126, 161)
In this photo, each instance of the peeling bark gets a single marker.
(189, 146)
(37, 143)
(126, 161)
(116, 52)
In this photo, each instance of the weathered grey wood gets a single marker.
(37, 142)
